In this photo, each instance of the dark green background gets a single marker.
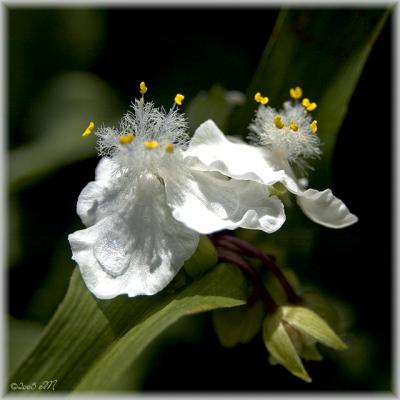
(188, 51)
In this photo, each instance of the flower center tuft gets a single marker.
(146, 138)
(290, 132)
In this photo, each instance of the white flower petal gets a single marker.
(208, 202)
(106, 169)
(88, 202)
(136, 251)
(325, 209)
(98, 197)
(210, 150)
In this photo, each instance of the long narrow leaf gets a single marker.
(91, 343)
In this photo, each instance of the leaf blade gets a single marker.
(87, 334)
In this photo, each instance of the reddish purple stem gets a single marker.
(259, 290)
(235, 244)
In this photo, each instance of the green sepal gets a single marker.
(312, 324)
(239, 324)
(309, 352)
(204, 258)
(280, 346)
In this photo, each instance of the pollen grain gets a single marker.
(179, 98)
(126, 139)
(169, 148)
(88, 130)
(296, 93)
(261, 99)
(150, 145)
(143, 88)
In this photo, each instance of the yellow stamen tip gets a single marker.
(143, 88)
(293, 126)
(296, 93)
(150, 145)
(179, 98)
(169, 148)
(88, 130)
(314, 126)
(278, 122)
(126, 139)
(312, 107)
(261, 99)
(308, 105)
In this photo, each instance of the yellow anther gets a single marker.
(308, 105)
(150, 145)
(278, 122)
(126, 139)
(260, 99)
(143, 88)
(88, 130)
(293, 126)
(296, 93)
(314, 126)
(169, 148)
(179, 98)
(312, 106)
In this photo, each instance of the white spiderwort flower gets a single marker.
(147, 206)
(281, 140)
(290, 136)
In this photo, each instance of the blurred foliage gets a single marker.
(216, 104)
(60, 61)
(64, 39)
(57, 118)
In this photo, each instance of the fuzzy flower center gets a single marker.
(289, 133)
(147, 140)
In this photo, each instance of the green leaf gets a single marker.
(309, 322)
(90, 344)
(280, 346)
(238, 324)
(22, 337)
(216, 104)
(324, 52)
(204, 258)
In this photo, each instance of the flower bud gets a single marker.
(291, 333)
